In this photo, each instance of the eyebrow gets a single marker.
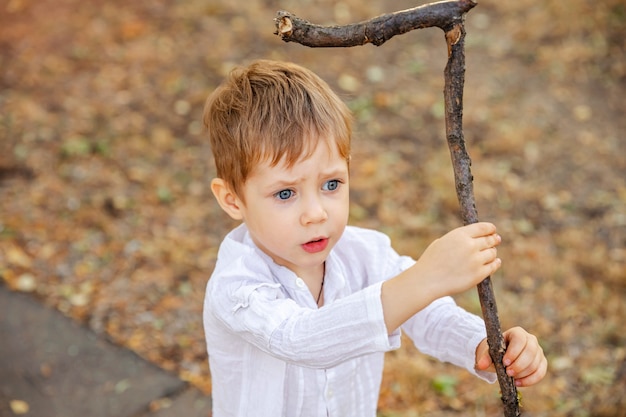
(336, 172)
(331, 173)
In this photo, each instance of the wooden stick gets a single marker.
(463, 179)
(375, 31)
(449, 16)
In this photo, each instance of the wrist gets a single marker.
(425, 284)
(405, 295)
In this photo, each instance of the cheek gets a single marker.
(343, 200)
(275, 221)
(341, 209)
(278, 239)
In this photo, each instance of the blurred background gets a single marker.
(106, 213)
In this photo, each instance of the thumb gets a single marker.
(483, 359)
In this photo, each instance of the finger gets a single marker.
(489, 255)
(524, 365)
(481, 229)
(516, 339)
(494, 266)
(527, 363)
(487, 269)
(483, 359)
(534, 377)
(529, 360)
(484, 362)
(491, 241)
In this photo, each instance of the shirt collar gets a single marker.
(334, 281)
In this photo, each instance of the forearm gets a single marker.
(347, 328)
(405, 295)
(451, 264)
(448, 333)
(317, 338)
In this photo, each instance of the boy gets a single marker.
(301, 307)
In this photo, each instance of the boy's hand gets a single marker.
(524, 359)
(451, 264)
(461, 258)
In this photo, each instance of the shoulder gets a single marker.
(363, 248)
(238, 260)
(242, 274)
(355, 233)
(363, 240)
(370, 252)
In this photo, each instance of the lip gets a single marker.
(315, 245)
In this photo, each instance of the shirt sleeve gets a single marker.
(442, 330)
(350, 327)
(260, 313)
(449, 333)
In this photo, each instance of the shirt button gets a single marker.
(300, 283)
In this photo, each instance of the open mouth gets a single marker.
(315, 246)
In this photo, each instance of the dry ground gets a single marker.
(105, 211)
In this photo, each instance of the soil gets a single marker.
(105, 212)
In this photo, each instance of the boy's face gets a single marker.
(296, 215)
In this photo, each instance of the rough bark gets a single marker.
(376, 31)
(454, 75)
(449, 16)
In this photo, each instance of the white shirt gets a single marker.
(273, 352)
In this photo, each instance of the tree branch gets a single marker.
(454, 75)
(376, 31)
(449, 16)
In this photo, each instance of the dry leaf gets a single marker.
(19, 407)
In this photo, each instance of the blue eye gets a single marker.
(331, 185)
(284, 194)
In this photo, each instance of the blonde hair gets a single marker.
(272, 111)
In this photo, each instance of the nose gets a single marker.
(313, 211)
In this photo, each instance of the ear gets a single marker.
(228, 201)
